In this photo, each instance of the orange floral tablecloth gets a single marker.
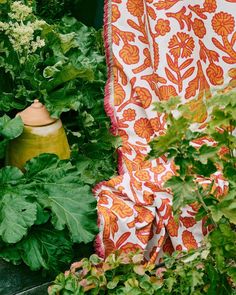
(157, 49)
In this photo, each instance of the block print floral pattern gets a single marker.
(157, 49)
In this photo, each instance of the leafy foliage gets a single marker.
(48, 212)
(9, 129)
(47, 200)
(185, 273)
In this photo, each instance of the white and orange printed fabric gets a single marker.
(157, 49)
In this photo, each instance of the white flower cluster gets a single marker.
(19, 11)
(21, 33)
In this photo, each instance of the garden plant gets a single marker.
(48, 211)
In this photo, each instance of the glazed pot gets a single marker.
(42, 134)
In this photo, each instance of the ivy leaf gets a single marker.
(183, 191)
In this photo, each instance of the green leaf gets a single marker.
(46, 248)
(172, 137)
(112, 284)
(228, 206)
(58, 188)
(206, 153)
(10, 176)
(232, 273)
(16, 216)
(197, 279)
(3, 146)
(170, 281)
(11, 128)
(183, 191)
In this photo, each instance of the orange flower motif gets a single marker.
(181, 45)
(223, 23)
(130, 54)
(144, 215)
(199, 28)
(121, 208)
(156, 124)
(162, 27)
(158, 169)
(210, 5)
(172, 227)
(142, 175)
(115, 181)
(143, 128)
(189, 240)
(129, 115)
(115, 13)
(119, 94)
(167, 91)
(167, 176)
(103, 200)
(148, 197)
(135, 7)
(144, 96)
(215, 74)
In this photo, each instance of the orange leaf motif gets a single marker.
(188, 221)
(189, 240)
(122, 239)
(119, 94)
(172, 227)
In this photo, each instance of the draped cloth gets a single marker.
(157, 49)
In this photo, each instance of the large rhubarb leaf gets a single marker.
(58, 188)
(46, 248)
(17, 213)
(16, 216)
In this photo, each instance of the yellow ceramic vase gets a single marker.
(42, 134)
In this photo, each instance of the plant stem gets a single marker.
(205, 207)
